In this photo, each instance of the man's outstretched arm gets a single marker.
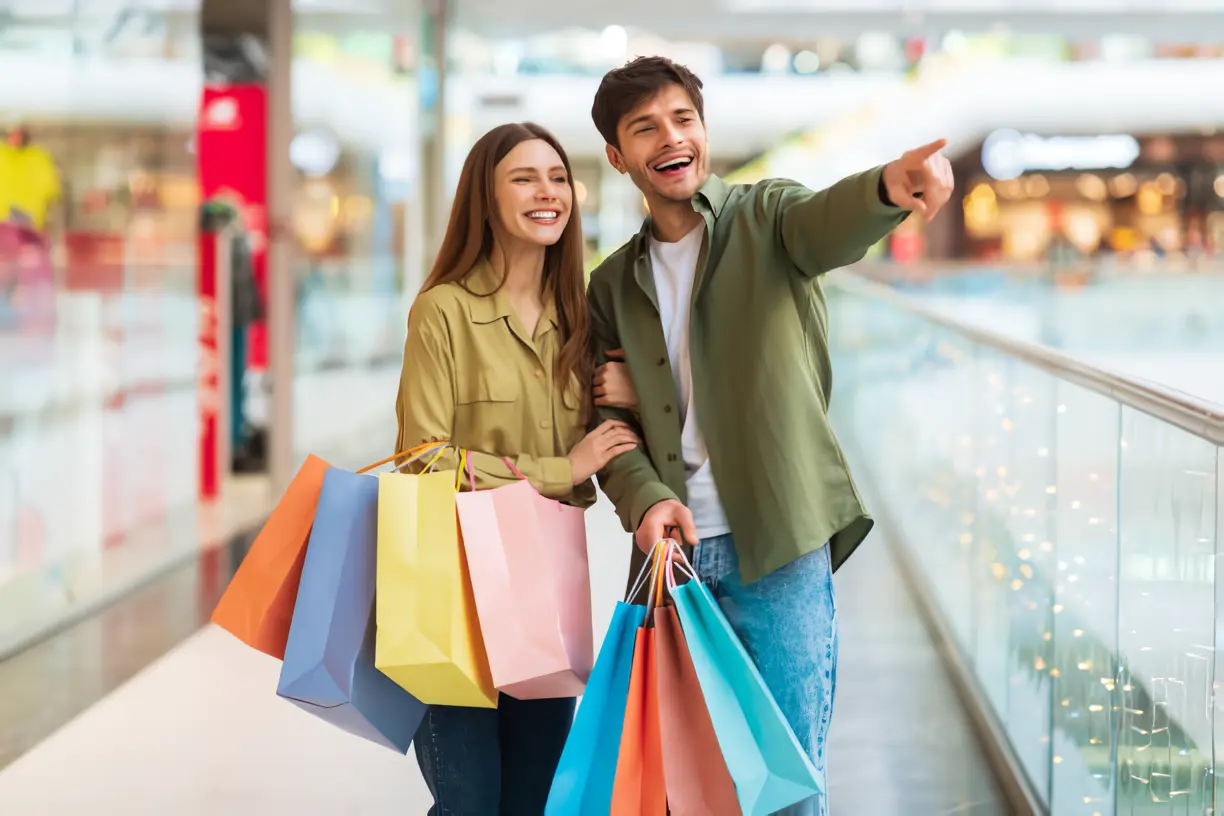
(827, 229)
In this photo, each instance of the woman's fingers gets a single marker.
(614, 452)
(621, 438)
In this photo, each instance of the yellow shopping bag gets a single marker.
(428, 639)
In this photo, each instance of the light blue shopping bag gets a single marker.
(582, 785)
(770, 769)
(329, 659)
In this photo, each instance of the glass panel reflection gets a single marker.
(1070, 543)
(1166, 617)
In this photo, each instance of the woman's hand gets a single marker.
(612, 386)
(600, 447)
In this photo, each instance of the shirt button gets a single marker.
(539, 372)
(667, 409)
(662, 361)
(671, 457)
(545, 424)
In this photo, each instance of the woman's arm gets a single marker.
(425, 409)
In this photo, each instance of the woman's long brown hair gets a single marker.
(469, 238)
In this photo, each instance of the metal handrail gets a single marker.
(1194, 415)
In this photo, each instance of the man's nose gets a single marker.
(672, 132)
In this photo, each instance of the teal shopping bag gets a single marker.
(770, 769)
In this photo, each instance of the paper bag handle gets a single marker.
(513, 469)
(465, 463)
(415, 452)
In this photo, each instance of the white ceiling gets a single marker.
(723, 20)
(694, 20)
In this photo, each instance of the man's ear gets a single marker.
(616, 159)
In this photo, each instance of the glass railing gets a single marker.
(1066, 523)
(1163, 324)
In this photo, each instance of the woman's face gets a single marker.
(533, 193)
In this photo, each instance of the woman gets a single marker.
(497, 361)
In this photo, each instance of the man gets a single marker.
(717, 309)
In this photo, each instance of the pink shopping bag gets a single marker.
(527, 558)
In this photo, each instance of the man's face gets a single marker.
(663, 146)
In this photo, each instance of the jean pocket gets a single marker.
(715, 560)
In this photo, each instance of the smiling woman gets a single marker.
(497, 361)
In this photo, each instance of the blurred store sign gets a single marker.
(1008, 154)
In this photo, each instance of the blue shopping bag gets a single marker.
(770, 769)
(582, 785)
(329, 658)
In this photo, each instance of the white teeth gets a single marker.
(673, 163)
(543, 215)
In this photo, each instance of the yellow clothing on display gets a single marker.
(29, 183)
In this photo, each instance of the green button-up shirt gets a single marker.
(760, 366)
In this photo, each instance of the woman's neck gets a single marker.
(523, 265)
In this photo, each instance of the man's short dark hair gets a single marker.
(624, 88)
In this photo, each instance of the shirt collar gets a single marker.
(714, 193)
(491, 303)
(712, 197)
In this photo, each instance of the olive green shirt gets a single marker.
(473, 375)
(761, 373)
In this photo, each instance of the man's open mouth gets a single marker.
(674, 166)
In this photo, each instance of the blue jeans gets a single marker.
(493, 762)
(788, 623)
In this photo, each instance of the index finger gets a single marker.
(927, 151)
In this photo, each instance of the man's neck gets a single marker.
(672, 220)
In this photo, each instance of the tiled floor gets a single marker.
(201, 732)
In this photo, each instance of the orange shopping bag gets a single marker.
(257, 606)
(640, 788)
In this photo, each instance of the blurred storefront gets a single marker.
(1141, 197)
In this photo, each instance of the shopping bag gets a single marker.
(698, 782)
(527, 557)
(582, 784)
(257, 606)
(770, 769)
(329, 659)
(429, 639)
(639, 788)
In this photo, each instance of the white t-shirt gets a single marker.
(675, 268)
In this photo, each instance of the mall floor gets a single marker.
(146, 709)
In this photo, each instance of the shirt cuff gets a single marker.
(647, 496)
(878, 202)
(556, 477)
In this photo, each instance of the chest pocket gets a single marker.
(490, 385)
